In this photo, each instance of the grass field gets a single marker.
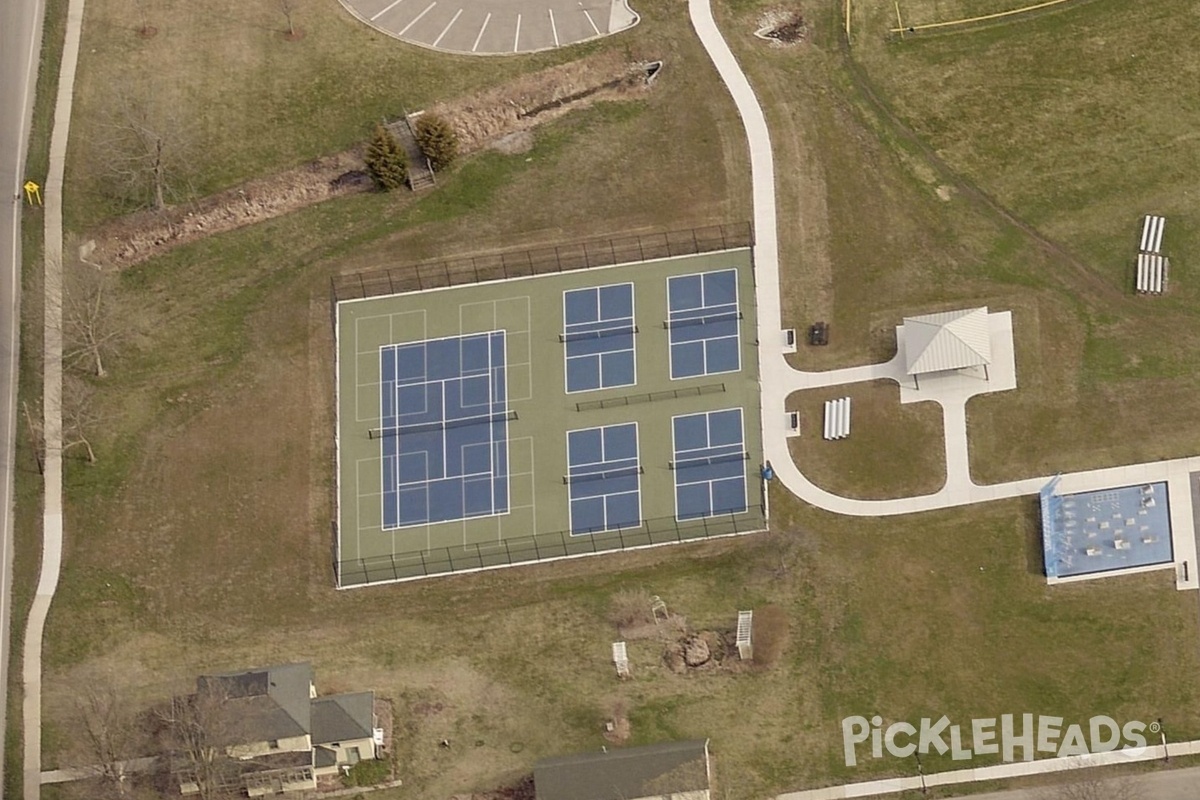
(894, 451)
(201, 539)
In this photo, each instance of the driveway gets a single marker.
(481, 27)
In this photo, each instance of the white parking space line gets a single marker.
(590, 20)
(388, 8)
(446, 29)
(417, 18)
(517, 36)
(483, 28)
(553, 27)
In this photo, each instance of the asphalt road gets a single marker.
(20, 42)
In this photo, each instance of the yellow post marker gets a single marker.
(847, 20)
(33, 193)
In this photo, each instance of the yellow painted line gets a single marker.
(997, 15)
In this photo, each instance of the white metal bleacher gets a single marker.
(1152, 266)
(837, 418)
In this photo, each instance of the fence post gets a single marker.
(537, 553)
(449, 558)
(507, 552)
(424, 566)
(446, 270)
(479, 555)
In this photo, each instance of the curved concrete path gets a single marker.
(778, 379)
(485, 27)
(52, 510)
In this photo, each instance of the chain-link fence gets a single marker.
(556, 258)
(542, 547)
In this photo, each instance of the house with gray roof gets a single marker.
(280, 735)
(675, 770)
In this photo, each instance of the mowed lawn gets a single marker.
(1079, 122)
(893, 450)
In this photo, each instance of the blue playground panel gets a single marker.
(603, 476)
(444, 429)
(710, 464)
(1110, 529)
(704, 322)
(598, 332)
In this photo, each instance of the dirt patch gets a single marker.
(617, 729)
(502, 117)
(531, 100)
(702, 650)
(514, 144)
(782, 27)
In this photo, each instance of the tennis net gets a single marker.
(426, 427)
(704, 461)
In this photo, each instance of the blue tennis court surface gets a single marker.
(444, 429)
(604, 478)
(704, 322)
(598, 331)
(710, 464)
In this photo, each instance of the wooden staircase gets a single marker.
(420, 175)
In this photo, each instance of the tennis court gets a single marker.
(704, 321)
(537, 418)
(445, 429)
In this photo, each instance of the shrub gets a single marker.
(769, 635)
(630, 607)
(387, 163)
(437, 141)
(369, 773)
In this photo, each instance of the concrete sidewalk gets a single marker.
(52, 510)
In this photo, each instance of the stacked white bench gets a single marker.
(1152, 265)
(620, 659)
(837, 418)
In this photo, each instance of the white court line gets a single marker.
(417, 18)
(486, 19)
(553, 27)
(517, 36)
(591, 21)
(446, 29)
(390, 6)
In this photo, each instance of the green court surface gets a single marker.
(535, 515)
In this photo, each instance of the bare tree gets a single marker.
(90, 328)
(112, 733)
(289, 7)
(79, 416)
(197, 730)
(144, 147)
(145, 29)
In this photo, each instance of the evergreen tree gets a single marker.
(437, 141)
(386, 160)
